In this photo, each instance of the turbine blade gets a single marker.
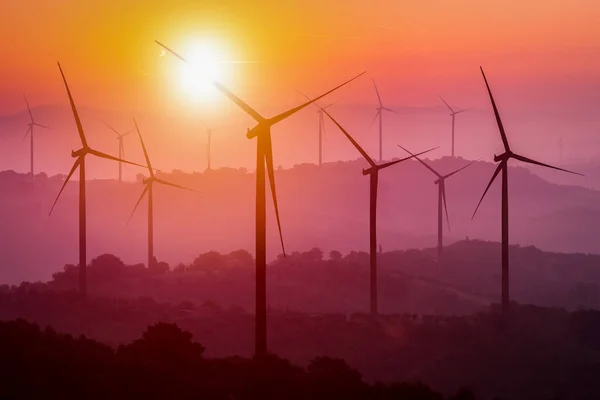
(75, 113)
(498, 168)
(28, 108)
(498, 120)
(445, 205)
(268, 153)
(351, 139)
(163, 182)
(288, 113)
(460, 169)
(139, 201)
(308, 98)
(111, 128)
(461, 111)
(375, 117)
(75, 165)
(391, 110)
(240, 103)
(113, 158)
(388, 164)
(329, 105)
(377, 91)
(530, 161)
(126, 133)
(41, 126)
(447, 105)
(143, 148)
(26, 133)
(422, 162)
(244, 106)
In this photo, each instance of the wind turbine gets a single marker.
(148, 182)
(264, 155)
(441, 182)
(379, 114)
(29, 132)
(453, 114)
(321, 125)
(373, 172)
(120, 137)
(80, 163)
(503, 167)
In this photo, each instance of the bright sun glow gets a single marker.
(205, 64)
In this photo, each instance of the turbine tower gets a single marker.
(441, 182)
(503, 159)
(321, 125)
(148, 182)
(373, 172)
(80, 163)
(453, 114)
(264, 155)
(379, 114)
(209, 132)
(29, 132)
(120, 137)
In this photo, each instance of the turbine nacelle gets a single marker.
(148, 180)
(254, 132)
(370, 170)
(79, 153)
(503, 157)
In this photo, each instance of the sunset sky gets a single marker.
(542, 59)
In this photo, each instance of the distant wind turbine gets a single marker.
(120, 137)
(264, 155)
(373, 172)
(29, 132)
(379, 114)
(441, 182)
(453, 114)
(148, 182)
(321, 125)
(503, 167)
(80, 162)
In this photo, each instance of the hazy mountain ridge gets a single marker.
(324, 207)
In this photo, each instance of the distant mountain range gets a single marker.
(324, 207)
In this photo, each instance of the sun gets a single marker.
(205, 64)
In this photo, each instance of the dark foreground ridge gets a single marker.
(165, 363)
(539, 353)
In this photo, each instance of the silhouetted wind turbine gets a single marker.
(120, 137)
(148, 182)
(29, 132)
(373, 172)
(80, 162)
(264, 155)
(321, 125)
(503, 166)
(379, 114)
(453, 114)
(441, 182)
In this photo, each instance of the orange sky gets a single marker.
(542, 52)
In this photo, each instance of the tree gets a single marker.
(335, 255)
(164, 343)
